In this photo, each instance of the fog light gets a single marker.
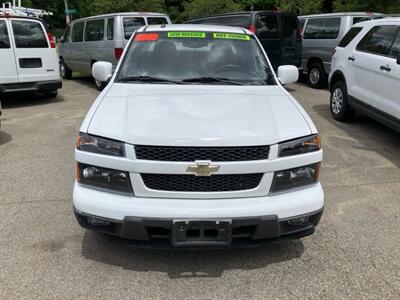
(299, 221)
(97, 221)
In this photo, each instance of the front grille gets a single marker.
(192, 183)
(167, 153)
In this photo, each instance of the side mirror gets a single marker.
(102, 71)
(288, 74)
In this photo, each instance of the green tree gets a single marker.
(198, 8)
(180, 10)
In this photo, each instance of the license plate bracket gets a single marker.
(202, 233)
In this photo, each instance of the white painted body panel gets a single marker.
(8, 69)
(117, 207)
(197, 115)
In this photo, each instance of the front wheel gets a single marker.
(340, 107)
(66, 73)
(100, 85)
(316, 76)
(51, 94)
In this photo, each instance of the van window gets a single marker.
(267, 27)
(289, 26)
(110, 29)
(350, 35)
(94, 30)
(201, 21)
(156, 21)
(29, 34)
(360, 19)
(378, 40)
(324, 28)
(395, 51)
(77, 32)
(131, 24)
(4, 39)
(237, 21)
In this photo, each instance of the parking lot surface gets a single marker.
(355, 252)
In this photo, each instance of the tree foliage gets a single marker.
(181, 10)
(198, 8)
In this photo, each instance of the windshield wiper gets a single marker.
(149, 79)
(211, 80)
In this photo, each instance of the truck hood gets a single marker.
(197, 115)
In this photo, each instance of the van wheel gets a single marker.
(51, 94)
(340, 107)
(65, 72)
(99, 85)
(316, 76)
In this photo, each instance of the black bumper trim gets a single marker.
(40, 86)
(245, 232)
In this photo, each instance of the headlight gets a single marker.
(297, 177)
(94, 144)
(300, 146)
(104, 178)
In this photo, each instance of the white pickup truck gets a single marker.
(195, 143)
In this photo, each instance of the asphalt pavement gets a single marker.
(44, 254)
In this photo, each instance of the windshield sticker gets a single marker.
(146, 37)
(186, 34)
(231, 36)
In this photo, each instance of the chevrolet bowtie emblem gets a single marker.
(202, 168)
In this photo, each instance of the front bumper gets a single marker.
(40, 86)
(243, 232)
(149, 221)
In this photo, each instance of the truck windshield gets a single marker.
(195, 58)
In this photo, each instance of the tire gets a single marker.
(99, 84)
(66, 73)
(339, 103)
(316, 76)
(51, 94)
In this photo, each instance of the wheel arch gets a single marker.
(312, 60)
(336, 77)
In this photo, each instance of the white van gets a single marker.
(28, 57)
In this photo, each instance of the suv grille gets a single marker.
(192, 183)
(166, 153)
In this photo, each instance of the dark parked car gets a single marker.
(278, 32)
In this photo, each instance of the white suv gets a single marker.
(194, 142)
(28, 58)
(365, 73)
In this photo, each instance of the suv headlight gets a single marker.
(296, 177)
(300, 146)
(104, 178)
(94, 144)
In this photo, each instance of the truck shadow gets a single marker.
(185, 264)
